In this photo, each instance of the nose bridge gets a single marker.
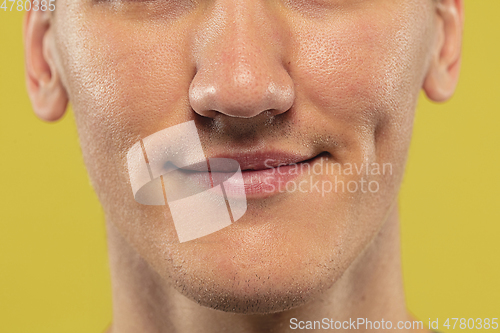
(238, 52)
(247, 31)
(239, 62)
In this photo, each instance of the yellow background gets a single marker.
(53, 265)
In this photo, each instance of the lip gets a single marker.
(264, 173)
(267, 173)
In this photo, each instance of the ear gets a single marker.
(444, 69)
(45, 89)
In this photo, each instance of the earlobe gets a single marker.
(45, 88)
(442, 76)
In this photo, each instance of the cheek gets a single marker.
(364, 71)
(125, 76)
(359, 67)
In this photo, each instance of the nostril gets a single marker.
(201, 98)
(241, 100)
(241, 88)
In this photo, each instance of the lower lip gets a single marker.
(264, 183)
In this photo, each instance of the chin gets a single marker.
(247, 294)
(256, 279)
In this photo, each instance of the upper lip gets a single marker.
(265, 160)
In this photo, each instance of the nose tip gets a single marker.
(242, 90)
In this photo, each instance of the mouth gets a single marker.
(264, 174)
(268, 173)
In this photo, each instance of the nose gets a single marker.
(241, 62)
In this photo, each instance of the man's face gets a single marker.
(333, 82)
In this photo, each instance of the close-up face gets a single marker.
(331, 84)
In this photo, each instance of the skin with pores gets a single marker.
(332, 77)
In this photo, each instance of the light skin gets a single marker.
(333, 77)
